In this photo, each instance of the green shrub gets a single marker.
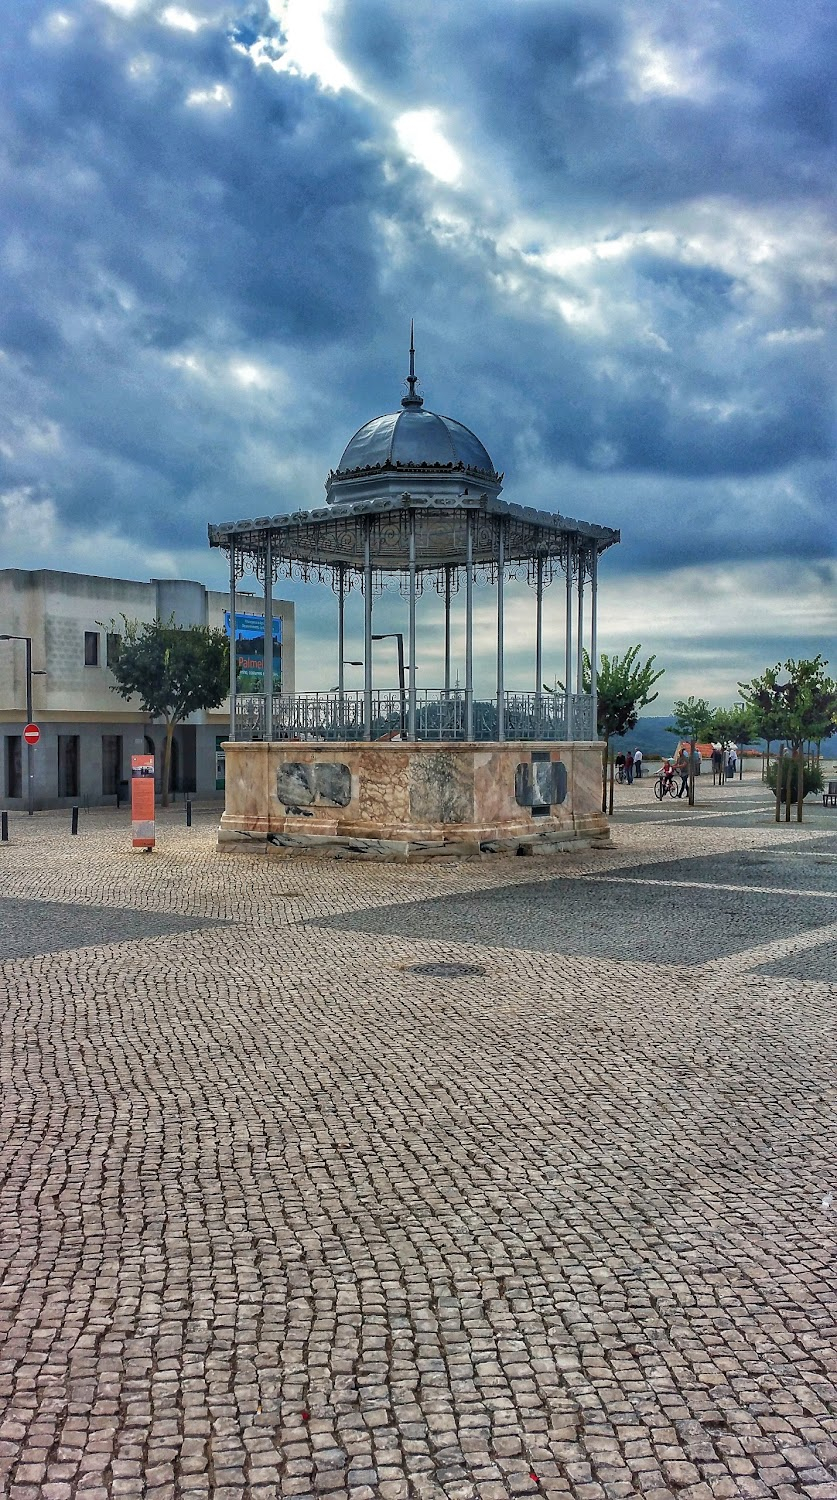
(811, 779)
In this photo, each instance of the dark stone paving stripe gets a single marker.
(593, 918)
(30, 928)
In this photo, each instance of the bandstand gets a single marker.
(403, 772)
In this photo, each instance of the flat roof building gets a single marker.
(89, 732)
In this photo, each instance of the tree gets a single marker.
(743, 729)
(803, 707)
(175, 671)
(623, 687)
(731, 726)
(692, 717)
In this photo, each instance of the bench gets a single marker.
(830, 796)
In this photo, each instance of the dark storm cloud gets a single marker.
(142, 224)
(551, 89)
(156, 248)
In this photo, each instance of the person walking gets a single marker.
(629, 767)
(682, 768)
(638, 764)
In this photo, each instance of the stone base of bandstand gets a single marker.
(406, 801)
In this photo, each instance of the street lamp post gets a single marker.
(397, 636)
(30, 753)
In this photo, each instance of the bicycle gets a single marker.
(665, 786)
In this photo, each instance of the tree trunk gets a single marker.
(800, 789)
(167, 762)
(692, 773)
(604, 772)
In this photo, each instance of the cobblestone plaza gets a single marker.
(463, 1180)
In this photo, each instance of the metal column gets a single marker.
(539, 637)
(594, 640)
(367, 629)
(469, 628)
(268, 639)
(341, 646)
(568, 641)
(30, 749)
(411, 710)
(579, 668)
(501, 690)
(447, 631)
(233, 663)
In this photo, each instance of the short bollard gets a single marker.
(74, 823)
(188, 814)
(4, 827)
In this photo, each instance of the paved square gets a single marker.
(280, 1215)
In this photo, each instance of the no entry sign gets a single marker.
(31, 734)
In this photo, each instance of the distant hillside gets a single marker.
(652, 738)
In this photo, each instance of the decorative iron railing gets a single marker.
(440, 715)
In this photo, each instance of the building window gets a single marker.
(91, 648)
(14, 765)
(111, 764)
(68, 759)
(113, 648)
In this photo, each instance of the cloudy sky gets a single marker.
(612, 222)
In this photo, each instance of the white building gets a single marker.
(89, 732)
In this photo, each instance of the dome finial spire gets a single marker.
(412, 399)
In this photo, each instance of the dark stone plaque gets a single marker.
(306, 783)
(540, 783)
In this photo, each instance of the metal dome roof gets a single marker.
(414, 436)
(435, 454)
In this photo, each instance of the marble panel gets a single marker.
(441, 789)
(383, 787)
(333, 783)
(295, 786)
(494, 786)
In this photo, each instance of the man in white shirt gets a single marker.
(638, 764)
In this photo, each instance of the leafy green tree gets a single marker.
(802, 707)
(623, 686)
(743, 729)
(692, 718)
(175, 671)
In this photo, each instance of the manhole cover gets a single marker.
(445, 971)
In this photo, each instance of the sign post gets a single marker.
(31, 735)
(142, 802)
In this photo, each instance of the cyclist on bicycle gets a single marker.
(667, 773)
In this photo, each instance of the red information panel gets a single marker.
(142, 801)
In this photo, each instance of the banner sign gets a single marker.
(142, 801)
(249, 652)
